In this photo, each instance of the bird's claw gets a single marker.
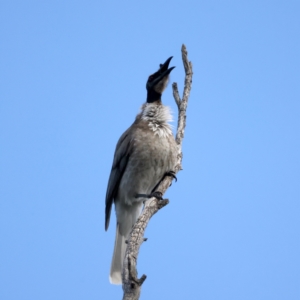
(172, 174)
(157, 195)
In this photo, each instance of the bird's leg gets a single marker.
(169, 173)
(154, 193)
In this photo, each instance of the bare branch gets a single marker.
(186, 93)
(131, 283)
(176, 94)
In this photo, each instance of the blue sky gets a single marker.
(73, 77)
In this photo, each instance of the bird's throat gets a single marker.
(153, 96)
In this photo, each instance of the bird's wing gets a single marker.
(122, 153)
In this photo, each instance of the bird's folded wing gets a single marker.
(122, 153)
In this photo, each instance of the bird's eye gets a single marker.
(150, 78)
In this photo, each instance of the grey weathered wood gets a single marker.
(131, 283)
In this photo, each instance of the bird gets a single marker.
(145, 153)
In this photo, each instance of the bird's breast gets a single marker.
(152, 156)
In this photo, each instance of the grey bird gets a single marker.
(145, 153)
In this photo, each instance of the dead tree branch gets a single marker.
(131, 283)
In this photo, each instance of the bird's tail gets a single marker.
(115, 276)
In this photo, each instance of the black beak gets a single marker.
(160, 74)
(164, 67)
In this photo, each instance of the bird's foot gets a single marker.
(171, 174)
(157, 195)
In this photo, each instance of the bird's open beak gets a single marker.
(161, 73)
(164, 71)
(164, 68)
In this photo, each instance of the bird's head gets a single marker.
(157, 82)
